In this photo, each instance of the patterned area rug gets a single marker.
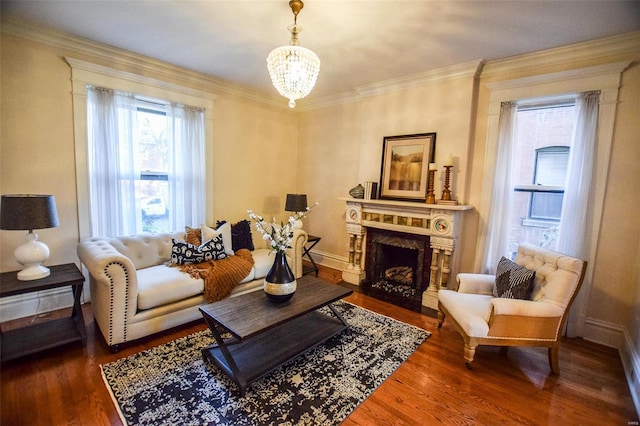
(171, 384)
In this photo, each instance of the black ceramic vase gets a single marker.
(280, 284)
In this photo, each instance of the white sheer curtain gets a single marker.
(111, 124)
(113, 171)
(187, 170)
(575, 204)
(497, 242)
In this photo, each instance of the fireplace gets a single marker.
(397, 267)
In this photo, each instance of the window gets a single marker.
(152, 190)
(543, 138)
(146, 164)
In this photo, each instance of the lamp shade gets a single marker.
(28, 212)
(296, 203)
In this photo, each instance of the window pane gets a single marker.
(546, 205)
(152, 190)
(551, 166)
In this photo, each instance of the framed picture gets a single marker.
(405, 166)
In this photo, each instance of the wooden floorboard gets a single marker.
(63, 386)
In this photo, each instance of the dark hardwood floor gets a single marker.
(64, 386)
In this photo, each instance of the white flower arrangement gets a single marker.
(278, 236)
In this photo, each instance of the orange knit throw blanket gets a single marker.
(221, 276)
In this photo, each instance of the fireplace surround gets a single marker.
(437, 226)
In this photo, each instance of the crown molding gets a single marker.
(470, 69)
(627, 43)
(133, 62)
(612, 70)
(465, 70)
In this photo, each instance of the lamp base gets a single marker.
(33, 272)
(31, 254)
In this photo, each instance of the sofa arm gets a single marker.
(113, 283)
(476, 283)
(295, 252)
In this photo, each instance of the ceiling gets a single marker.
(359, 42)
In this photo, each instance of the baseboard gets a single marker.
(604, 333)
(618, 337)
(329, 260)
(631, 362)
(25, 305)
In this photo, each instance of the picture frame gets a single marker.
(405, 166)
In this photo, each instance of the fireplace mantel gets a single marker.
(441, 222)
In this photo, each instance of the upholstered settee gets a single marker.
(535, 319)
(136, 292)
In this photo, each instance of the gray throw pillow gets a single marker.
(513, 281)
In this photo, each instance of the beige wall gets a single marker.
(263, 152)
(341, 146)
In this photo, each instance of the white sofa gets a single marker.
(135, 294)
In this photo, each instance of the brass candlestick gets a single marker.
(431, 196)
(446, 193)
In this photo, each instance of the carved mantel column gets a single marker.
(354, 273)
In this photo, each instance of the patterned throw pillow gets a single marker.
(513, 281)
(183, 253)
(240, 234)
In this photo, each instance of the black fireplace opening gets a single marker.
(397, 267)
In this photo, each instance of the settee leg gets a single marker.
(114, 349)
(441, 317)
(554, 363)
(469, 354)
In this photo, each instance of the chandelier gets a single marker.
(293, 68)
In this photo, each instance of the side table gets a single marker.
(312, 240)
(48, 334)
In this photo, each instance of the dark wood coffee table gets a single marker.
(265, 335)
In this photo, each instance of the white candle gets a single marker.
(432, 166)
(449, 161)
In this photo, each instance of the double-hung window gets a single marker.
(146, 165)
(542, 145)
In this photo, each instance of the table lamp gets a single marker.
(296, 203)
(28, 212)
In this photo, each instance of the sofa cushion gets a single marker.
(159, 285)
(471, 311)
(512, 280)
(262, 263)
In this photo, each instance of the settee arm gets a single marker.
(113, 283)
(298, 242)
(527, 308)
(475, 283)
(524, 320)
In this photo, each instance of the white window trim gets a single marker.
(84, 73)
(605, 78)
